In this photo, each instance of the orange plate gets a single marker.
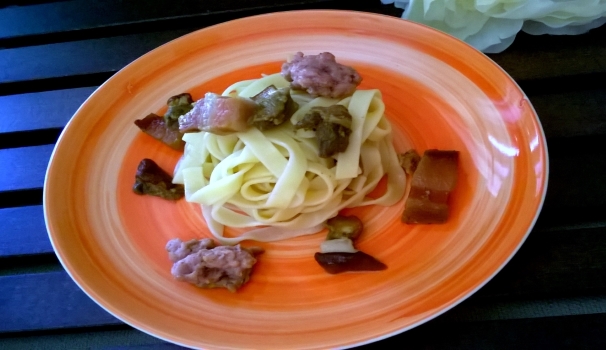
(439, 93)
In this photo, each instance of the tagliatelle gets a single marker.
(275, 179)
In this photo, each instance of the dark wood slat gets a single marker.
(568, 332)
(570, 114)
(53, 293)
(481, 309)
(111, 54)
(42, 110)
(54, 83)
(576, 170)
(569, 219)
(80, 15)
(47, 300)
(563, 84)
(29, 138)
(9, 3)
(556, 263)
(21, 198)
(91, 339)
(545, 56)
(41, 116)
(77, 58)
(78, 20)
(23, 231)
(24, 168)
(29, 264)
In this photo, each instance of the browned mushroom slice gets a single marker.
(332, 126)
(155, 126)
(409, 161)
(177, 106)
(335, 263)
(432, 183)
(152, 180)
(344, 227)
(275, 106)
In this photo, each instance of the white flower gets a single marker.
(491, 25)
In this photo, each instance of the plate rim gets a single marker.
(137, 325)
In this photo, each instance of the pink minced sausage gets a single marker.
(202, 263)
(321, 75)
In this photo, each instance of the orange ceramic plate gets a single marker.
(439, 93)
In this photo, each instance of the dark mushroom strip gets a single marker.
(335, 263)
(409, 161)
(275, 106)
(152, 180)
(332, 126)
(177, 106)
(332, 139)
(310, 120)
(155, 126)
(344, 227)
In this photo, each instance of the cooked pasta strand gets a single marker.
(274, 181)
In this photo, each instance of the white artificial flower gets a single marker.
(491, 25)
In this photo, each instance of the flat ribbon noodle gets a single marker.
(275, 182)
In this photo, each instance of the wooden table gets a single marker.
(54, 54)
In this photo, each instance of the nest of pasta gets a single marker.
(275, 181)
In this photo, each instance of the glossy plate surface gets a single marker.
(439, 93)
